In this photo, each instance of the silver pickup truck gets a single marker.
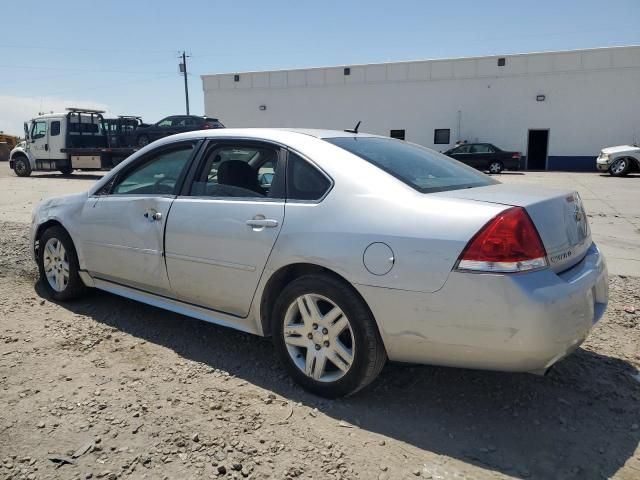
(620, 160)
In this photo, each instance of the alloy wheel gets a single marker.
(56, 264)
(319, 338)
(495, 167)
(619, 166)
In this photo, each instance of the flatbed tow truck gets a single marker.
(67, 141)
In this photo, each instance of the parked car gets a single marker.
(172, 125)
(353, 249)
(620, 160)
(486, 157)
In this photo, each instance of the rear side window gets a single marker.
(304, 181)
(55, 128)
(425, 170)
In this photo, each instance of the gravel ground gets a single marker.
(109, 388)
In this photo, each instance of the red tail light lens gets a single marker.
(206, 126)
(508, 243)
(516, 155)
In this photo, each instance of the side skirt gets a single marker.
(175, 306)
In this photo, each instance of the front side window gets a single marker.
(242, 171)
(39, 130)
(422, 169)
(157, 176)
(304, 181)
(167, 122)
(462, 149)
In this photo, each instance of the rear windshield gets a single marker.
(423, 169)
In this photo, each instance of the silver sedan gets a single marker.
(348, 249)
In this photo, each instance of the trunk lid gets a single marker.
(558, 215)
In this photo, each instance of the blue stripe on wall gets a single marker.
(570, 163)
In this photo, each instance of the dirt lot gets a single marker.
(108, 388)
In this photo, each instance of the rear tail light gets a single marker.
(516, 156)
(508, 243)
(207, 126)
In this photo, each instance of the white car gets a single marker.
(346, 248)
(620, 160)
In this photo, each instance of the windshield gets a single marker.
(423, 169)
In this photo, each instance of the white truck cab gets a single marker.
(64, 142)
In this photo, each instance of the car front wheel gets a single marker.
(326, 336)
(620, 167)
(58, 265)
(21, 166)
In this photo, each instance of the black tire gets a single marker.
(620, 167)
(142, 141)
(21, 166)
(74, 287)
(370, 355)
(496, 167)
(66, 170)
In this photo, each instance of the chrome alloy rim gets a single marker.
(319, 338)
(619, 166)
(56, 264)
(494, 168)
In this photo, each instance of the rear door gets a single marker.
(222, 229)
(122, 234)
(56, 140)
(480, 155)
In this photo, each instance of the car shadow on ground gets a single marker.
(580, 421)
(628, 175)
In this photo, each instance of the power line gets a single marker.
(83, 49)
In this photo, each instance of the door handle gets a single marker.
(262, 223)
(46, 147)
(153, 215)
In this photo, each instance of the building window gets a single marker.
(347, 71)
(236, 78)
(399, 134)
(441, 136)
(502, 62)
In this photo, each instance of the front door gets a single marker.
(122, 230)
(220, 233)
(39, 139)
(480, 156)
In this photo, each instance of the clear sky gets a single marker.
(122, 55)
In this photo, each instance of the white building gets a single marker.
(557, 108)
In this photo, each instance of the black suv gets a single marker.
(485, 156)
(172, 125)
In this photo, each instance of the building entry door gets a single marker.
(537, 149)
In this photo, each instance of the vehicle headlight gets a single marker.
(604, 156)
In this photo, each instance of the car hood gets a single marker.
(621, 149)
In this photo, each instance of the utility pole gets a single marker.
(183, 70)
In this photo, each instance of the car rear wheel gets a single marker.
(620, 167)
(58, 265)
(143, 141)
(326, 336)
(66, 170)
(496, 167)
(21, 166)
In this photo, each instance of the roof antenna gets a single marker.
(355, 130)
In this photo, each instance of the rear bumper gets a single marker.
(519, 322)
(11, 164)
